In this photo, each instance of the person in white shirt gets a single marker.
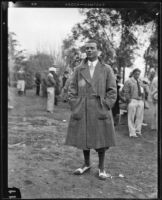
(134, 95)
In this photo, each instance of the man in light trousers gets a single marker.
(134, 95)
(51, 83)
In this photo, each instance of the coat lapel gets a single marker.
(85, 73)
(96, 74)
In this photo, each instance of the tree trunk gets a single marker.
(123, 75)
(146, 70)
(119, 69)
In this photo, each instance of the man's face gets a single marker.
(152, 74)
(91, 51)
(136, 74)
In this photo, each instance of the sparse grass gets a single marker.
(42, 166)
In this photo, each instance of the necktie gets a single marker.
(139, 89)
(91, 68)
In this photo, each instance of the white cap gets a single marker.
(52, 69)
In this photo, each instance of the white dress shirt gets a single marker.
(92, 66)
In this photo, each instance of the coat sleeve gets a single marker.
(111, 88)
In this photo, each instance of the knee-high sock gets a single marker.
(101, 156)
(86, 157)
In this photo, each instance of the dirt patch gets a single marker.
(42, 166)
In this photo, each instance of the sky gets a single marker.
(37, 28)
(45, 29)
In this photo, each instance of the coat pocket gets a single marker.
(102, 110)
(77, 108)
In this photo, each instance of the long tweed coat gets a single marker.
(91, 123)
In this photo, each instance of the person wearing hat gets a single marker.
(134, 96)
(51, 84)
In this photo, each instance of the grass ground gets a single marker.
(41, 166)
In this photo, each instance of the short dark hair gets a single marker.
(136, 70)
(66, 72)
(93, 41)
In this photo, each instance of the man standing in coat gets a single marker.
(92, 93)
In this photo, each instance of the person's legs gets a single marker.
(22, 86)
(101, 156)
(86, 154)
(56, 101)
(131, 116)
(86, 166)
(50, 99)
(38, 89)
(139, 116)
(154, 117)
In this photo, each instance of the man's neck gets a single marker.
(135, 78)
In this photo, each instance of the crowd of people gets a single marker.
(97, 96)
(133, 97)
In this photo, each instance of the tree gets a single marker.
(12, 43)
(15, 57)
(104, 25)
(100, 25)
(125, 51)
(151, 53)
(142, 16)
(69, 52)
